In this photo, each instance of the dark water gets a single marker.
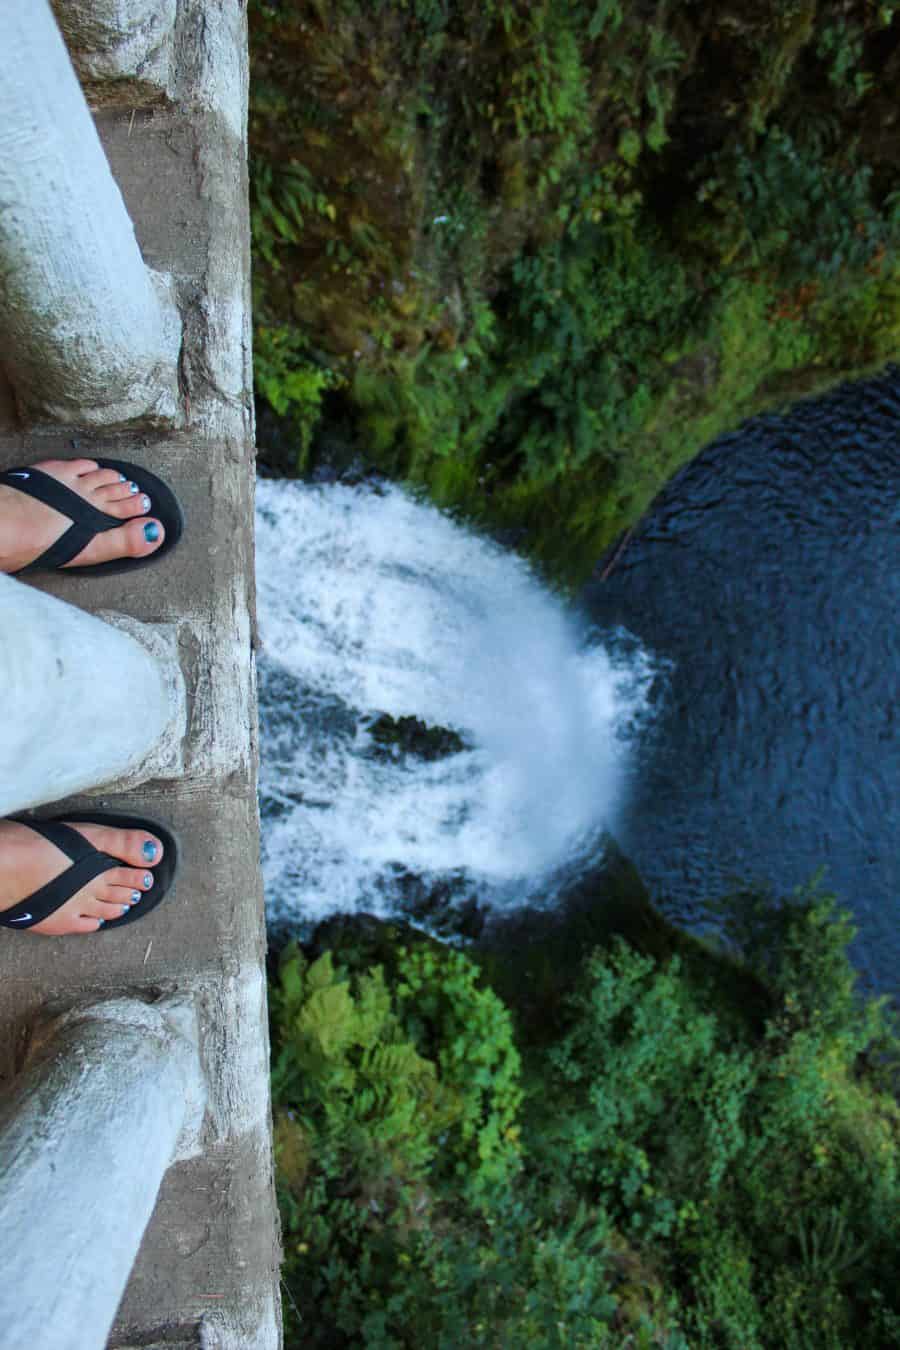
(768, 573)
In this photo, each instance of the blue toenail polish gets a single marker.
(100, 923)
(148, 879)
(133, 488)
(125, 909)
(151, 533)
(122, 478)
(149, 850)
(135, 897)
(146, 503)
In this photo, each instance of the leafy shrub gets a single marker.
(395, 1129)
(799, 213)
(644, 1091)
(766, 1164)
(469, 1032)
(797, 945)
(525, 240)
(675, 1173)
(291, 382)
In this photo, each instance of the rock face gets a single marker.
(535, 257)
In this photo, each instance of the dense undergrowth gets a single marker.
(660, 1145)
(531, 255)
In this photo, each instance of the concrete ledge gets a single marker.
(191, 1341)
(94, 1120)
(166, 760)
(92, 336)
(207, 1274)
(179, 1339)
(163, 1019)
(122, 49)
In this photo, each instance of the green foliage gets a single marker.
(280, 202)
(727, 1311)
(477, 1062)
(798, 214)
(841, 45)
(673, 1174)
(767, 1167)
(825, 1251)
(351, 1074)
(518, 238)
(607, 17)
(291, 383)
(404, 1210)
(585, 321)
(798, 947)
(644, 1089)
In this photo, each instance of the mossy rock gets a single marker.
(408, 736)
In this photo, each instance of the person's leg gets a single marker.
(28, 862)
(29, 526)
(52, 741)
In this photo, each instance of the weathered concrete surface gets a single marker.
(111, 1092)
(91, 335)
(166, 758)
(122, 49)
(48, 675)
(207, 1272)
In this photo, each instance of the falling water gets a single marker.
(373, 604)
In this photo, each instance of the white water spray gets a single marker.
(371, 603)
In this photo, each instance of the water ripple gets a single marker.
(768, 573)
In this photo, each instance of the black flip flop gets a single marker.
(88, 863)
(87, 521)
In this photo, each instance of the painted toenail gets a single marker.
(149, 850)
(125, 909)
(135, 897)
(133, 488)
(146, 503)
(151, 533)
(148, 879)
(100, 923)
(122, 478)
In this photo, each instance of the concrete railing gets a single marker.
(114, 1091)
(91, 336)
(111, 1092)
(110, 1096)
(67, 724)
(121, 48)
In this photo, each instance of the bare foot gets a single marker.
(28, 862)
(28, 527)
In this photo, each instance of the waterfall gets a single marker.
(372, 604)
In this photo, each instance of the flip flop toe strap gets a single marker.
(88, 863)
(87, 521)
(66, 547)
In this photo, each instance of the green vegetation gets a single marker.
(633, 1152)
(530, 257)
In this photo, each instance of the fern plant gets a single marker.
(349, 1073)
(827, 1248)
(443, 1005)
